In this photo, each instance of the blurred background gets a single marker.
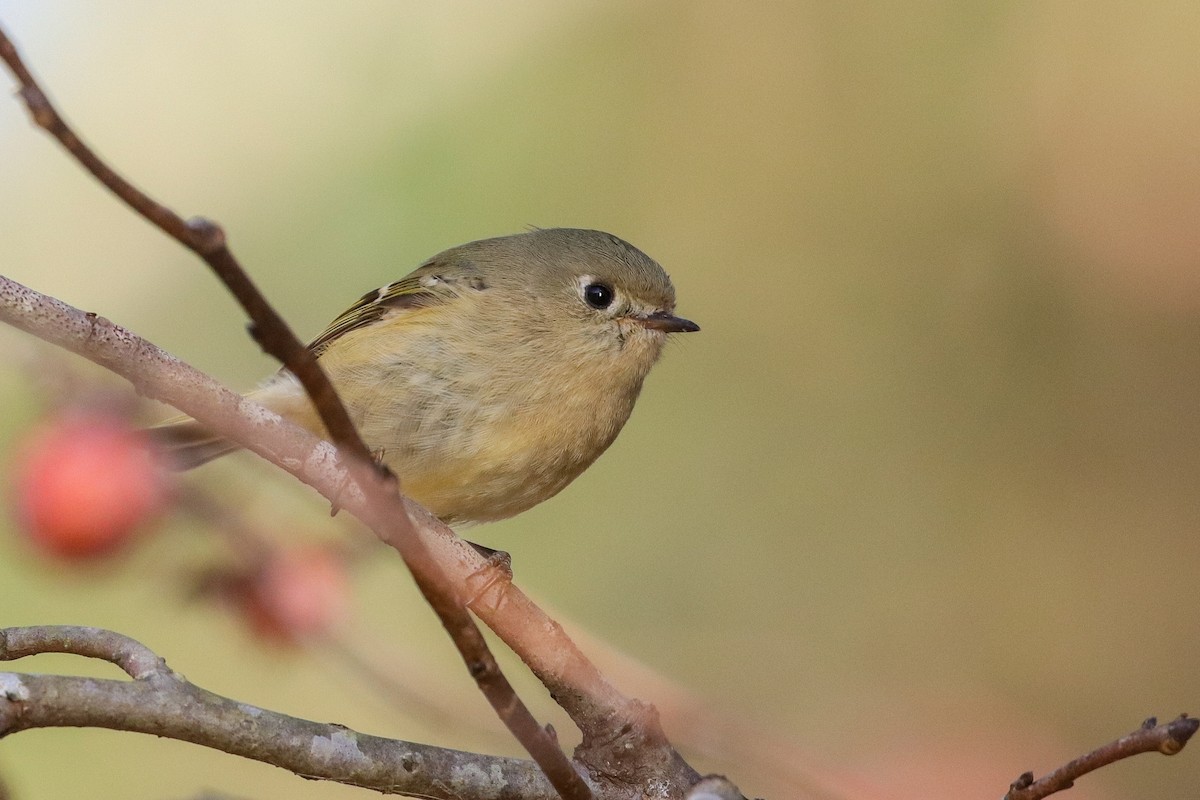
(918, 507)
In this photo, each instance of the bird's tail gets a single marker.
(188, 443)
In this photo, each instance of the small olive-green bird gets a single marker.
(491, 376)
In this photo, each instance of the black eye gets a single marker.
(597, 295)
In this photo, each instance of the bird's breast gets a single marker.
(476, 434)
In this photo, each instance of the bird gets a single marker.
(491, 376)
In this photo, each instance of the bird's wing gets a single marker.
(419, 289)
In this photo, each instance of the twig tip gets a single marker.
(1179, 731)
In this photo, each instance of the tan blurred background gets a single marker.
(921, 499)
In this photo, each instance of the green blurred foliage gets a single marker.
(919, 498)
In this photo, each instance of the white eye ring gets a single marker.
(597, 294)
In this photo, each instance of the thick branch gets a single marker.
(1168, 739)
(162, 703)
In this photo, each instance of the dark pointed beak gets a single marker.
(668, 323)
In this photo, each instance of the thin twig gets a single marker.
(1168, 739)
(207, 240)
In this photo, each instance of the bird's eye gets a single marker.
(598, 295)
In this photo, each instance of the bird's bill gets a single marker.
(668, 323)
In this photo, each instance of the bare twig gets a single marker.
(207, 240)
(1168, 739)
(160, 702)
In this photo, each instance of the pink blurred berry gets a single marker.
(86, 483)
(298, 595)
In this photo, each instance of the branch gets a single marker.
(1168, 739)
(622, 738)
(160, 702)
(207, 240)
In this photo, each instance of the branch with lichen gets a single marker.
(161, 702)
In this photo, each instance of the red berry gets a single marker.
(85, 483)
